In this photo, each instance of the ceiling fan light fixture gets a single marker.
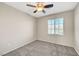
(39, 9)
(40, 6)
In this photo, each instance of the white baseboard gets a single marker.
(56, 43)
(77, 50)
(18, 47)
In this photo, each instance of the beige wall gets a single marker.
(77, 28)
(68, 37)
(16, 29)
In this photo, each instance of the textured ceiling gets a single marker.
(58, 7)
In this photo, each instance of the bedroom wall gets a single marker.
(76, 14)
(67, 39)
(16, 29)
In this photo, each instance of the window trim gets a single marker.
(58, 26)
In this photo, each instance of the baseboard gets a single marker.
(77, 50)
(18, 47)
(56, 43)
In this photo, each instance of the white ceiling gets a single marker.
(58, 7)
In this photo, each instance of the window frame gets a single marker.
(58, 26)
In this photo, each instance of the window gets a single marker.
(55, 26)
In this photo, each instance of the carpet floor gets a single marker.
(41, 48)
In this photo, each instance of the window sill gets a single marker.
(55, 35)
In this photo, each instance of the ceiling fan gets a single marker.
(40, 6)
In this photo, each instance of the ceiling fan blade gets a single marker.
(30, 5)
(43, 11)
(48, 6)
(35, 11)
